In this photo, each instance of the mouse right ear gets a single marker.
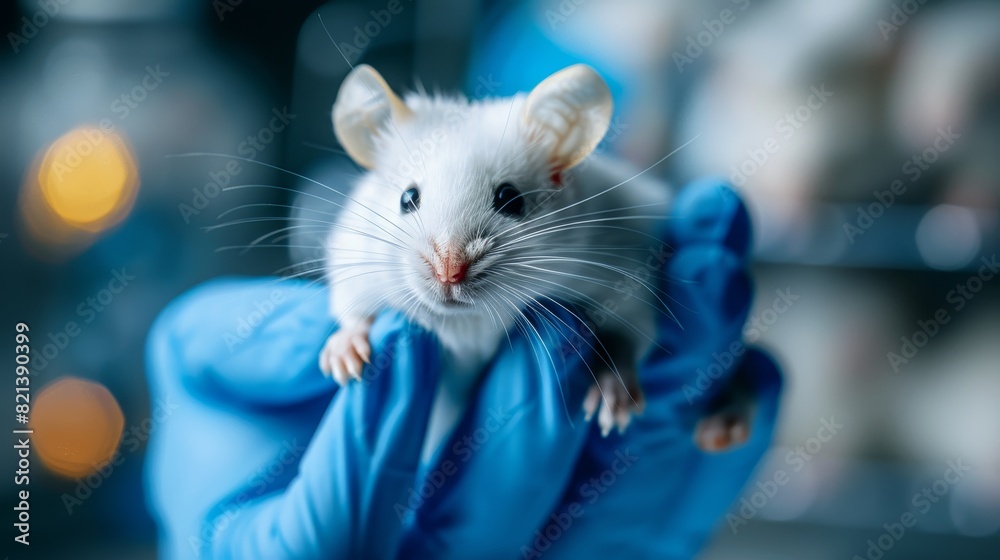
(365, 104)
(569, 113)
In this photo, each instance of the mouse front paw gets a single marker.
(727, 422)
(724, 430)
(346, 351)
(618, 396)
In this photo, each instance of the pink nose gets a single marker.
(450, 270)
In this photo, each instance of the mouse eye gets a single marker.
(508, 201)
(410, 200)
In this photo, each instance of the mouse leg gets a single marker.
(616, 393)
(347, 350)
(727, 424)
(614, 397)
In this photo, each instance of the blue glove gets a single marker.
(265, 458)
(257, 461)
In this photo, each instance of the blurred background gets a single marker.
(864, 134)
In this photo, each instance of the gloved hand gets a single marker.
(258, 461)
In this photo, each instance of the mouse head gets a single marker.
(471, 189)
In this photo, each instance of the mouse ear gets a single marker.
(364, 106)
(569, 112)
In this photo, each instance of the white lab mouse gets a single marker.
(471, 212)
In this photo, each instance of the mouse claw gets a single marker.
(346, 352)
(623, 417)
(639, 402)
(591, 402)
(353, 367)
(606, 419)
(362, 348)
(616, 400)
(340, 375)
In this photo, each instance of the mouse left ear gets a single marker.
(365, 105)
(569, 113)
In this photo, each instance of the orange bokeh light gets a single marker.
(77, 426)
(84, 183)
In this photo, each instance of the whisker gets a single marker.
(583, 225)
(609, 189)
(530, 300)
(330, 149)
(262, 246)
(504, 133)
(586, 214)
(331, 225)
(614, 288)
(586, 300)
(292, 173)
(346, 208)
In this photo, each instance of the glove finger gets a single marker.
(252, 340)
(711, 233)
(503, 470)
(711, 292)
(709, 211)
(202, 453)
(709, 295)
(359, 464)
(395, 404)
(715, 480)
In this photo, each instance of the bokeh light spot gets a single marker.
(77, 426)
(88, 177)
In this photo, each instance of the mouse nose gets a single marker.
(451, 271)
(450, 266)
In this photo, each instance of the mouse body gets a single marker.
(471, 212)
